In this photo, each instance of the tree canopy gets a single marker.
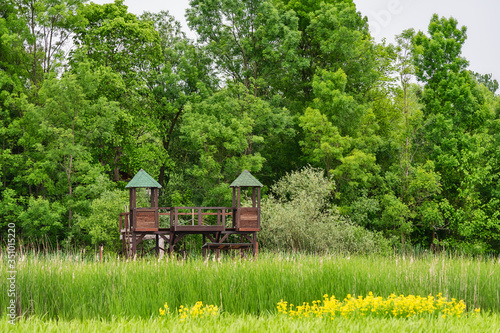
(402, 139)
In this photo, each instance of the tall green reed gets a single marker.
(68, 287)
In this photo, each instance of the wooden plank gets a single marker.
(204, 208)
(258, 207)
(146, 229)
(132, 197)
(238, 206)
(234, 198)
(189, 214)
(249, 229)
(197, 228)
(226, 246)
(176, 217)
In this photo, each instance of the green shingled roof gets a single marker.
(246, 180)
(143, 179)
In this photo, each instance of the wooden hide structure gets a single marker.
(143, 223)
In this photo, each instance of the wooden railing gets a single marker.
(124, 216)
(177, 214)
(197, 212)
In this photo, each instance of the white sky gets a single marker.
(388, 18)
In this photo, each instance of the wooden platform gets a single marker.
(227, 246)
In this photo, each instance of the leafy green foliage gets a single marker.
(298, 216)
(457, 115)
(269, 86)
(101, 223)
(41, 219)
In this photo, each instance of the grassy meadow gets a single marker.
(62, 293)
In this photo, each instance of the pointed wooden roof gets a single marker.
(246, 180)
(143, 179)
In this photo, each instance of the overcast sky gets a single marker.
(388, 18)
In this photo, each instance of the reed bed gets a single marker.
(69, 287)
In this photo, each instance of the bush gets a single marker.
(102, 224)
(42, 219)
(298, 216)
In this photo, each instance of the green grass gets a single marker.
(263, 323)
(67, 288)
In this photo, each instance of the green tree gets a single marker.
(125, 49)
(225, 134)
(487, 81)
(457, 139)
(101, 223)
(184, 74)
(252, 42)
(45, 27)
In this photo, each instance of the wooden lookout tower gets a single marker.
(141, 222)
(246, 218)
(227, 228)
(143, 219)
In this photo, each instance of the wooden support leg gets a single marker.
(255, 245)
(134, 246)
(157, 249)
(171, 243)
(123, 243)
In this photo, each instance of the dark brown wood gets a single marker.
(238, 206)
(139, 222)
(234, 197)
(146, 219)
(258, 208)
(227, 246)
(176, 218)
(132, 200)
(134, 245)
(223, 238)
(248, 218)
(198, 229)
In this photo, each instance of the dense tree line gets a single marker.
(89, 94)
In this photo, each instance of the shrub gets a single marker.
(298, 216)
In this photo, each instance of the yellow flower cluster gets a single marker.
(196, 311)
(392, 306)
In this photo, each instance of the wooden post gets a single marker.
(134, 246)
(233, 210)
(176, 218)
(238, 206)
(234, 197)
(255, 245)
(132, 203)
(157, 250)
(154, 204)
(258, 207)
(253, 198)
(154, 197)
